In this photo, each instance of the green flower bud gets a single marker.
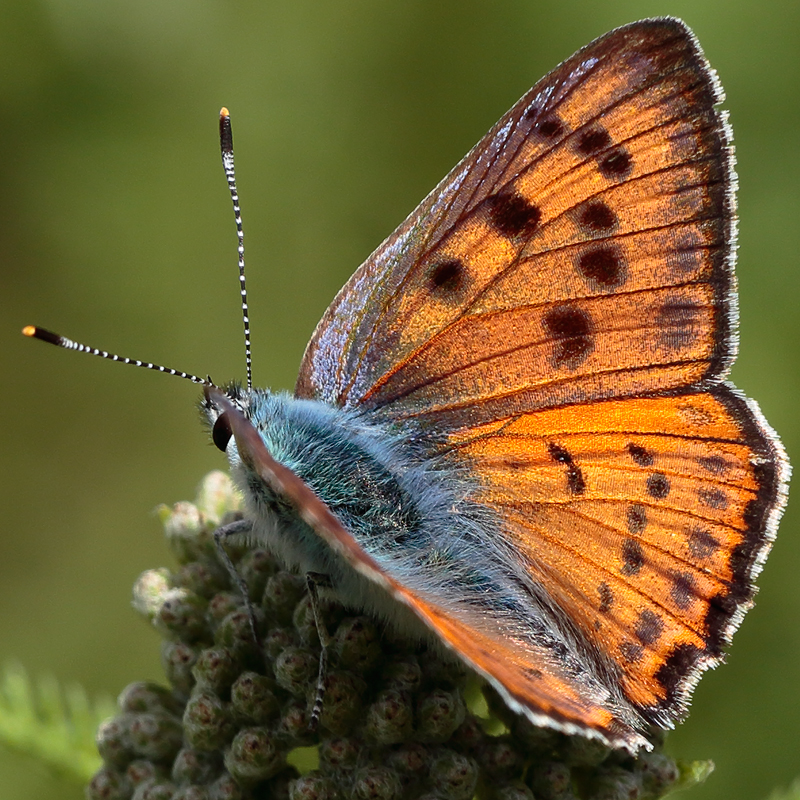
(276, 641)
(390, 718)
(500, 758)
(376, 783)
(222, 604)
(114, 740)
(343, 701)
(438, 715)
(225, 788)
(402, 673)
(550, 779)
(453, 775)
(155, 736)
(585, 752)
(215, 669)
(207, 721)
(469, 736)
(154, 790)
(313, 786)
(182, 616)
(178, 660)
(356, 644)
(147, 696)
(253, 698)
(186, 531)
(254, 756)
(235, 633)
(150, 591)
(304, 622)
(282, 592)
(293, 725)
(617, 784)
(142, 771)
(204, 578)
(217, 498)
(410, 762)
(658, 772)
(195, 766)
(338, 755)
(294, 669)
(108, 784)
(255, 567)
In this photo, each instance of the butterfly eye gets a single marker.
(222, 432)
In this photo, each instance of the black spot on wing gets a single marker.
(658, 485)
(632, 557)
(575, 480)
(550, 128)
(603, 266)
(630, 652)
(649, 627)
(617, 164)
(712, 498)
(447, 278)
(716, 465)
(571, 329)
(682, 590)
(679, 322)
(597, 217)
(641, 456)
(636, 518)
(606, 598)
(702, 544)
(512, 215)
(593, 141)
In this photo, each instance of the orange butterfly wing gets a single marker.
(558, 315)
(580, 251)
(645, 519)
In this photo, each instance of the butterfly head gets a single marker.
(216, 405)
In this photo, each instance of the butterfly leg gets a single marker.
(220, 534)
(315, 581)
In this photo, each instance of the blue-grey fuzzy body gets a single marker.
(413, 510)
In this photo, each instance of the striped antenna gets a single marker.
(61, 341)
(226, 145)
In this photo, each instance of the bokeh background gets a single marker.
(116, 229)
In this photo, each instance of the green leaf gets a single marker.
(52, 723)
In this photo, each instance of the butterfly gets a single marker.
(511, 430)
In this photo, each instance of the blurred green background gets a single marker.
(116, 230)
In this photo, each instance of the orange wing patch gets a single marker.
(528, 358)
(533, 682)
(592, 221)
(646, 519)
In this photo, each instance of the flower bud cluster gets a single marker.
(399, 718)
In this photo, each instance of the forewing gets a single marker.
(645, 520)
(580, 251)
